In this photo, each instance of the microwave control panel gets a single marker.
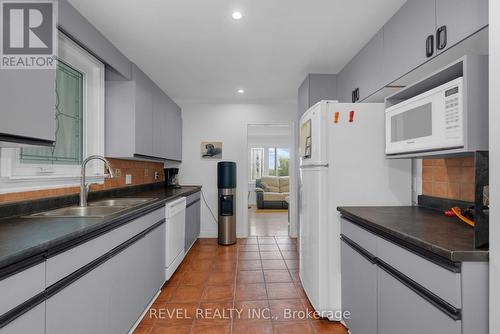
(452, 112)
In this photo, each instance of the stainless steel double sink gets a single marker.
(98, 209)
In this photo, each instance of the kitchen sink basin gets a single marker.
(86, 211)
(128, 202)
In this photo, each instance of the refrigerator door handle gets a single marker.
(313, 166)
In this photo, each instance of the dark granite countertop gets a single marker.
(426, 229)
(22, 238)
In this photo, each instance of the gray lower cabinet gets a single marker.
(401, 310)
(193, 216)
(359, 291)
(405, 36)
(134, 282)
(460, 19)
(28, 112)
(141, 120)
(112, 295)
(82, 306)
(32, 322)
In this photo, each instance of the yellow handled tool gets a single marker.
(458, 212)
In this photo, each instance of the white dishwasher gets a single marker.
(175, 214)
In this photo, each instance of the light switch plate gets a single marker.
(128, 179)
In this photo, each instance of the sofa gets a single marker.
(272, 192)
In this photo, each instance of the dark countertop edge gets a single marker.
(431, 251)
(36, 254)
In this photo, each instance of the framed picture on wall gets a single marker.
(211, 150)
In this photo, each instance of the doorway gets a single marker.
(270, 179)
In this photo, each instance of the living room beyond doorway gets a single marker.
(269, 159)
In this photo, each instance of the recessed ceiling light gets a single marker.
(237, 15)
(241, 91)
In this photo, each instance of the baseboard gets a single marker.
(144, 313)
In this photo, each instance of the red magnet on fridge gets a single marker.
(351, 116)
(336, 117)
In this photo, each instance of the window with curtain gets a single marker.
(256, 163)
(68, 149)
(269, 161)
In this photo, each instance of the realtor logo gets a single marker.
(28, 34)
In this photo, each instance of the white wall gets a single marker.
(226, 123)
(494, 77)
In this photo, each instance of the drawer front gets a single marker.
(193, 197)
(359, 235)
(127, 231)
(32, 322)
(442, 282)
(401, 310)
(18, 288)
(69, 261)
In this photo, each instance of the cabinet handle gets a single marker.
(441, 37)
(353, 96)
(429, 46)
(357, 94)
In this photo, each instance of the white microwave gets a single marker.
(431, 121)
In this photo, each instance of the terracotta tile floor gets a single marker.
(224, 289)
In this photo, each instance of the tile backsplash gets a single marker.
(142, 172)
(451, 178)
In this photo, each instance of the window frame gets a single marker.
(266, 148)
(16, 176)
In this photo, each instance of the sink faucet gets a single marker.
(84, 188)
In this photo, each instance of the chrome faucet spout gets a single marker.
(83, 186)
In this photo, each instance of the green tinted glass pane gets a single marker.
(68, 149)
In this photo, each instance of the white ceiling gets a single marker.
(194, 50)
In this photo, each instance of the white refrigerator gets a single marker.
(342, 163)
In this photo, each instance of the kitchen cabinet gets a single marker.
(110, 294)
(363, 75)
(460, 19)
(167, 127)
(82, 306)
(134, 282)
(32, 322)
(359, 292)
(405, 37)
(390, 289)
(87, 36)
(314, 88)
(402, 310)
(193, 217)
(141, 120)
(28, 114)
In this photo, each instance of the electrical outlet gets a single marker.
(118, 172)
(128, 179)
(146, 172)
(157, 176)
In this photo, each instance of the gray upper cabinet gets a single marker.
(167, 127)
(314, 88)
(405, 38)
(364, 74)
(141, 120)
(143, 113)
(28, 106)
(460, 19)
(84, 33)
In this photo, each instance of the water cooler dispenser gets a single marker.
(226, 182)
